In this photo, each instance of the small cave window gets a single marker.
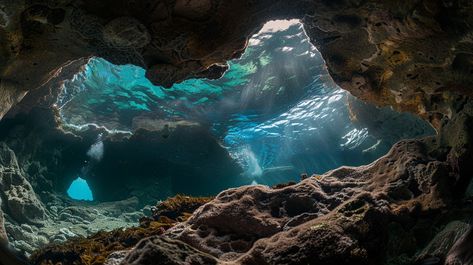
(80, 190)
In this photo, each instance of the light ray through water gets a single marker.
(276, 110)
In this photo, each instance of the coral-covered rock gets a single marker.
(178, 206)
(258, 211)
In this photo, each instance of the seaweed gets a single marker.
(95, 249)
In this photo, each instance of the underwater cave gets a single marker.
(212, 132)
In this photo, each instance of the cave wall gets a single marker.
(415, 55)
(412, 55)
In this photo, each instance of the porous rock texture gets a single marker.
(383, 213)
(18, 197)
(410, 207)
(414, 55)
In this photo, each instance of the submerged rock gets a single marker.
(3, 233)
(19, 199)
(111, 247)
(407, 207)
(341, 217)
(461, 252)
(166, 252)
(413, 55)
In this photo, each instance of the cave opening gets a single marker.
(197, 132)
(275, 115)
(80, 190)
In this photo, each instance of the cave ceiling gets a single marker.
(414, 55)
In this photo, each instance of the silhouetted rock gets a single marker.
(461, 253)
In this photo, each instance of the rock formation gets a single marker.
(18, 197)
(368, 215)
(3, 234)
(111, 247)
(414, 55)
(412, 206)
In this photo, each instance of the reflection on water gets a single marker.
(276, 110)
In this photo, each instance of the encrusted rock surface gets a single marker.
(382, 213)
(411, 206)
(415, 55)
(18, 197)
(166, 252)
(112, 247)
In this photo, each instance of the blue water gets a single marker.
(276, 110)
(80, 190)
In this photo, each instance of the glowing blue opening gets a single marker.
(80, 190)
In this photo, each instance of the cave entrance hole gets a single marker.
(274, 115)
(80, 190)
(276, 112)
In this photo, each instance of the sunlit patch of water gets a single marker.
(276, 109)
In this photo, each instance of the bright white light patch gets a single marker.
(80, 190)
(96, 150)
(271, 27)
(279, 25)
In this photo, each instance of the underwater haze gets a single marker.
(276, 110)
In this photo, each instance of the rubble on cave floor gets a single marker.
(105, 246)
(394, 211)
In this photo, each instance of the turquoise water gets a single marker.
(274, 72)
(80, 190)
(276, 110)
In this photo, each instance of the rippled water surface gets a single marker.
(276, 109)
